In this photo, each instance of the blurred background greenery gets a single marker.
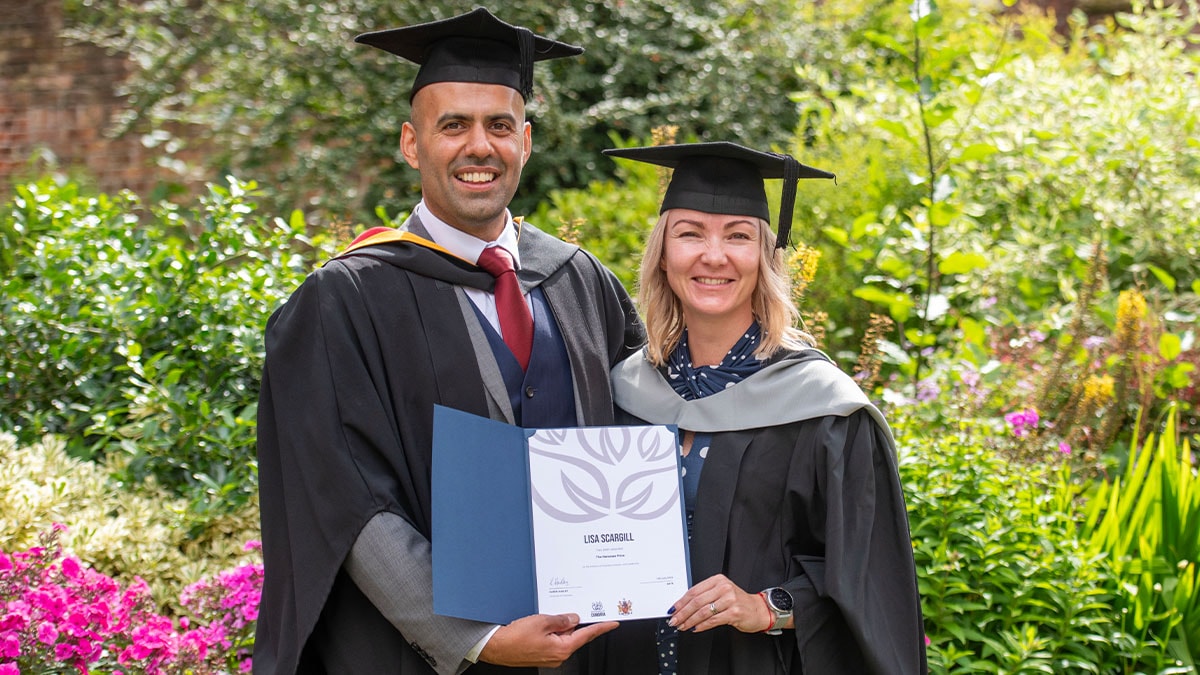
(1007, 263)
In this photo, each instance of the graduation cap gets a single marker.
(725, 178)
(471, 47)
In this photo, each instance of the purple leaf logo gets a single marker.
(582, 475)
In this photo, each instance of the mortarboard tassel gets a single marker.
(525, 44)
(791, 174)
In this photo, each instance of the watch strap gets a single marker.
(777, 620)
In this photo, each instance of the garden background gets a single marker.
(1007, 263)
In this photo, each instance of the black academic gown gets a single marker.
(355, 361)
(813, 504)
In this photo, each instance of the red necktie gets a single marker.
(516, 324)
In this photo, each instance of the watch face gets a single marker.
(781, 599)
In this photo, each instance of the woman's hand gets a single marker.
(717, 601)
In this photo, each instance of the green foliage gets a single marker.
(138, 330)
(1148, 522)
(977, 159)
(1093, 384)
(278, 89)
(1005, 585)
(611, 220)
(122, 530)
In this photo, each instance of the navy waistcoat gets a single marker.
(544, 395)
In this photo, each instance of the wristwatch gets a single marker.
(779, 601)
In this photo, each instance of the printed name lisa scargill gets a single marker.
(607, 537)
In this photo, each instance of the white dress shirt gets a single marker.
(469, 247)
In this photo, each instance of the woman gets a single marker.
(798, 532)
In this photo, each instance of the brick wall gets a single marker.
(60, 97)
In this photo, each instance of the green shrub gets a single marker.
(1148, 522)
(138, 330)
(611, 220)
(278, 90)
(1005, 585)
(981, 162)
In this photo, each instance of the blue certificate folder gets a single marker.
(483, 541)
(482, 531)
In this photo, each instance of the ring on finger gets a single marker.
(712, 607)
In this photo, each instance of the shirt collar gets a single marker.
(463, 245)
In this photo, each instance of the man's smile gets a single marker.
(478, 176)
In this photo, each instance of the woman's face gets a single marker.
(711, 262)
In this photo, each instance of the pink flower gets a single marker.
(253, 545)
(87, 648)
(47, 633)
(63, 651)
(1064, 447)
(250, 611)
(61, 615)
(16, 616)
(10, 646)
(70, 568)
(77, 623)
(1022, 421)
(10, 623)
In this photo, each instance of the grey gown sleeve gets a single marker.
(391, 564)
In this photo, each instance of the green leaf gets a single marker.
(296, 220)
(972, 331)
(1163, 276)
(899, 305)
(977, 151)
(886, 41)
(837, 235)
(895, 128)
(920, 338)
(1178, 375)
(962, 263)
(1169, 346)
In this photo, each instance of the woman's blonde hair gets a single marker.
(771, 300)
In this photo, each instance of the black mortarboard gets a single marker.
(471, 47)
(725, 178)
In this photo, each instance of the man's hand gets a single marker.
(541, 640)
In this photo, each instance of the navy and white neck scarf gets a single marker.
(692, 382)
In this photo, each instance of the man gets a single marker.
(361, 352)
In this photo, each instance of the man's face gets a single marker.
(470, 142)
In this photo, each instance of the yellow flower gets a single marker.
(1097, 391)
(1131, 307)
(803, 266)
(663, 135)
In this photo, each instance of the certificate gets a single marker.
(609, 536)
(585, 520)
